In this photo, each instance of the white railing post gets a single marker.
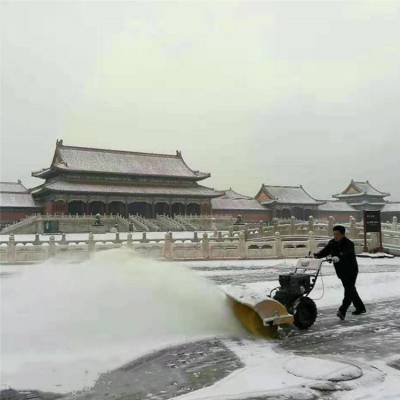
(311, 223)
(11, 249)
(205, 247)
(52, 246)
(278, 245)
(331, 224)
(353, 227)
(91, 243)
(394, 224)
(242, 245)
(292, 225)
(312, 244)
(129, 240)
(168, 250)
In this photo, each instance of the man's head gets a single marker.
(339, 232)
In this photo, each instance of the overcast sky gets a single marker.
(276, 93)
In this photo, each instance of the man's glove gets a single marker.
(335, 259)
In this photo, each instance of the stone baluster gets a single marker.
(278, 245)
(242, 246)
(312, 243)
(219, 237)
(117, 239)
(275, 224)
(91, 243)
(311, 223)
(260, 228)
(353, 228)
(394, 224)
(205, 247)
(11, 249)
(195, 237)
(144, 237)
(36, 242)
(63, 239)
(292, 225)
(129, 240)
(168, 250)
(52, 246)
(331, 224)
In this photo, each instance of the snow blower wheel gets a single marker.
(305, 313)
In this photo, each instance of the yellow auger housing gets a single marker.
(286, 305)
(263, 318)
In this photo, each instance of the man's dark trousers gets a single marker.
(350, 294)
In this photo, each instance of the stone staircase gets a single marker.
(170, 224)
(20, 224)
(124, 222)
(138, 224)
(186, 223)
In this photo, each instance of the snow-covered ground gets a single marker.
(64, 324)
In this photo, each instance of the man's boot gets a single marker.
(341, 315)
(358, 312)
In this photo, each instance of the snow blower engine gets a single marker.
(294, 290)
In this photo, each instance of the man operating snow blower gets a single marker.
(341, 249)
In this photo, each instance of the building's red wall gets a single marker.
(12, 215)
(58, 207)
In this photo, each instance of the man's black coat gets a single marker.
(347, 267)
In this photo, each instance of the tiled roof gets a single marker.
(14, 187)
(336, 206)
(391, 207)
(362, 188)
(67, 186)
(232, 200)
(288, 195)
(73, 158)
(15, 194)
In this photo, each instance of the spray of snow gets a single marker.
(63, 323)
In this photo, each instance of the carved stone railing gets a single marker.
(292, 241)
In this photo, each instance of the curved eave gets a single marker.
(43, 173)
(200, 176)
(43, 189)
(267, 203)
(346, 196)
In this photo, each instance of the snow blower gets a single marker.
(287, 304)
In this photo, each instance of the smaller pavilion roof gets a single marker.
(391, 207)
(286, 195)
(360, 188)
(15, 194)
(232, 200)
(336, 205)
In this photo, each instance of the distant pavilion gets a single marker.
(234, 204)
(288, 201)
(362, 196)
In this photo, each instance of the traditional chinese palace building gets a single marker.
(82, 180)
(15, 202)
(235, 204)
(362, 196)
(288, 201)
